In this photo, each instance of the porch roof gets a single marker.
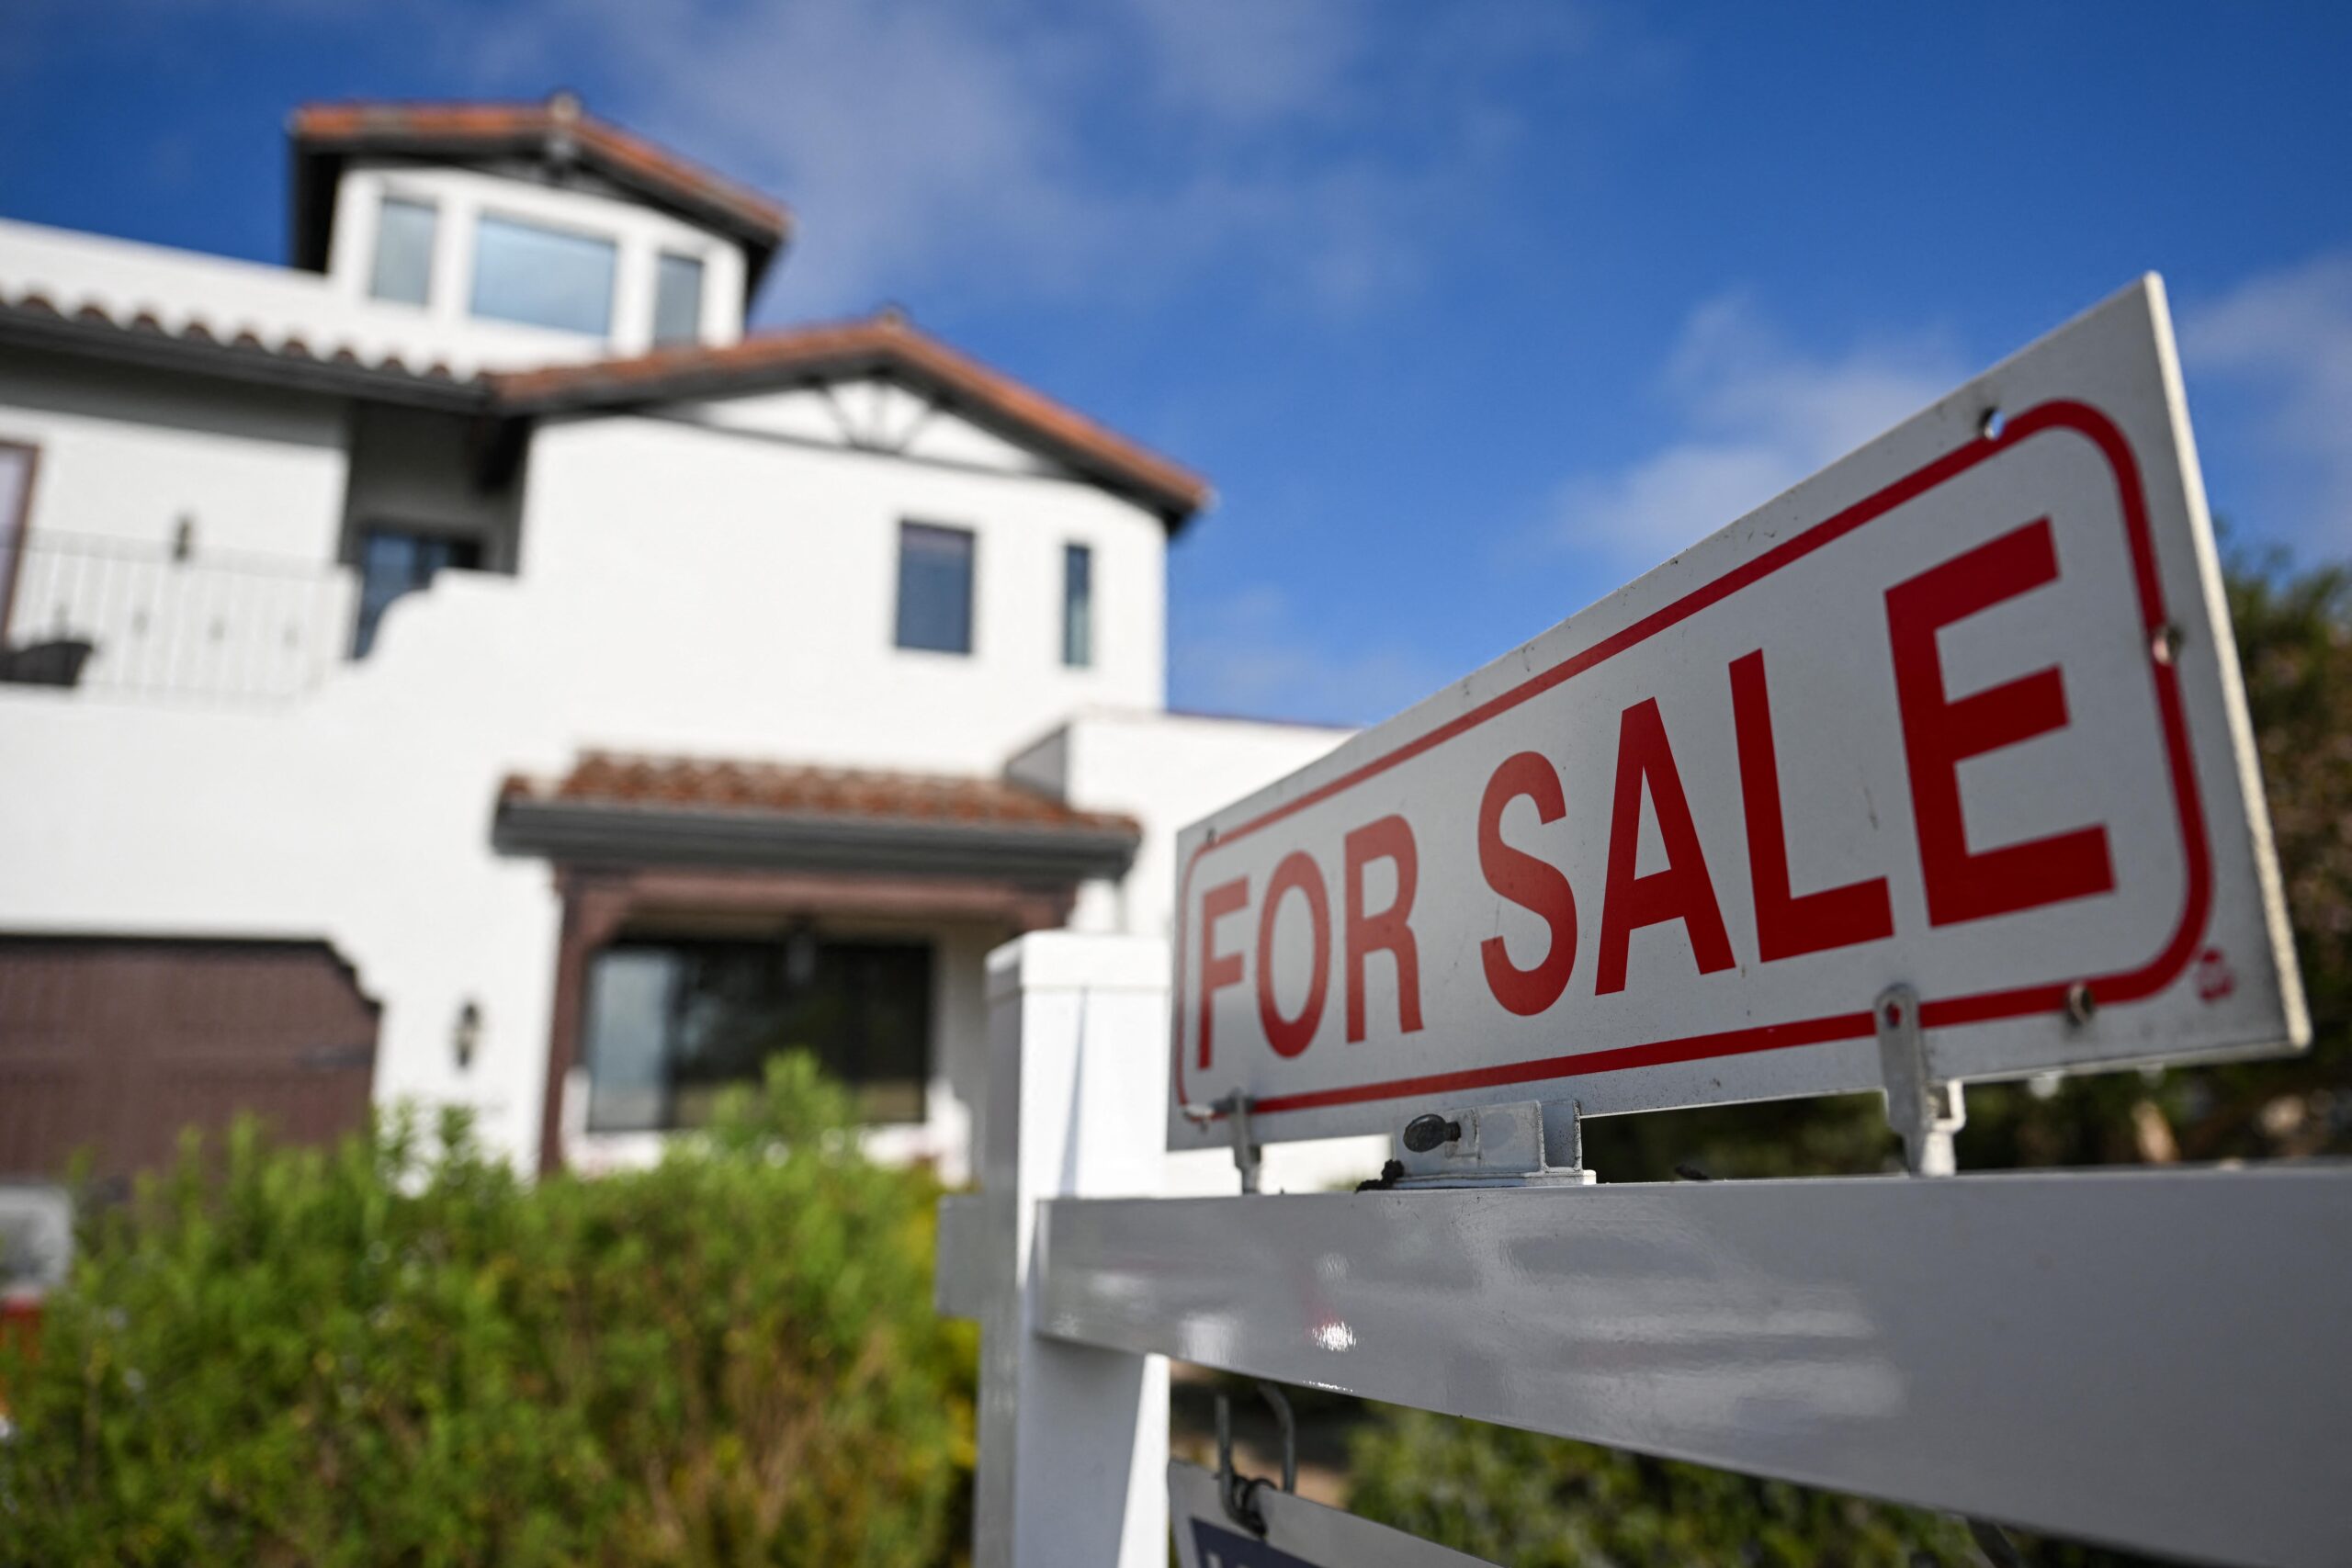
(616, 810)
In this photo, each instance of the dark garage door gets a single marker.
(115, 1046)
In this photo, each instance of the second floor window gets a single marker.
(935, 588)
(542, 278)
(404, 267)
(677, 300)
(1078, 605)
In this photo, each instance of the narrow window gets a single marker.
(935, 588)
(404, 269)
(542, 278)
(1078, 605)
(394, 562)
(677, 300)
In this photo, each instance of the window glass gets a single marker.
(404, 269)
(1078, 605)
(677, 300)
(392, 562)
(935, 588)
(632, 992)
(542, 278)
(672, 1025)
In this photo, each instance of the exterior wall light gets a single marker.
(467, 1035)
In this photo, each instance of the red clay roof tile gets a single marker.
(700, 784)
(886, 341)
(427, 128)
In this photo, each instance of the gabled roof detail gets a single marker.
(884, 346)
(556, 132)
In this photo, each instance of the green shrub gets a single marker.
(385, 1354)
(1532, 1501)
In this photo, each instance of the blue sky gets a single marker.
(1472, 313)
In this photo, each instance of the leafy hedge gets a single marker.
(385, 1354)
(1534, 1502)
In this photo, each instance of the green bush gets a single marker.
(384, 1354)
(1532, 1501)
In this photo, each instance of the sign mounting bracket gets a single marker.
(1247, 1151)
(1490, 1146)
(1924, 1111)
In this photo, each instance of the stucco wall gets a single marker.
(127, 453)
(716, 581)
(682, 590)
(1168, 770)
(733, 595)
(359, 816)
(130, 464)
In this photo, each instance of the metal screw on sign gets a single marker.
(1423, 1133)
(1238, 1492)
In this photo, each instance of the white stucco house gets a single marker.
(463, 666)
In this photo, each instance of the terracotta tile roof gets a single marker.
(885, 344)
(557, 130)
(683, 783)
(30, 316)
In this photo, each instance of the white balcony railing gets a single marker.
(128, 618)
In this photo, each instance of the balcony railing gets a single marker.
(121, 617)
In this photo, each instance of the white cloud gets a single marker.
(1759, 415)
(1245, 654)
(2285, 337)
(1247, 64)
(1032, 148)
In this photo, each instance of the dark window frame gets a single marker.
(1079, 600)
(858, 980)
(456, 551)
(19, 527)
(910, 638)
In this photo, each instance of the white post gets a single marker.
(1073, 1440)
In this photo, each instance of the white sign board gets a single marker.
(1299, 1534)
(1961, 713)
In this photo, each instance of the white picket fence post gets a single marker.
(1073, 1438)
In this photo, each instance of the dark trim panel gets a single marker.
(574, 833)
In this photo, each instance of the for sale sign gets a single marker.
(1961, 713)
